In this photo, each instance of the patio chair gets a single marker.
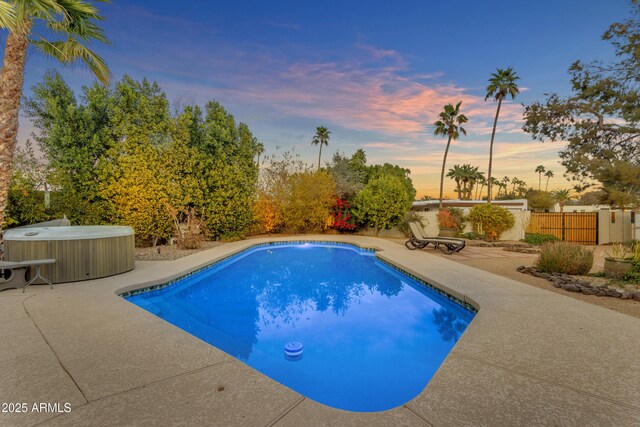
(419, 241)
(18, 270)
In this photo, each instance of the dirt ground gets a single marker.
(506, 267)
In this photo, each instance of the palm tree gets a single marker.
(561, 196)
(472, 176)
(449, 125)
(501, 84)
(490, 184)
(457, 174)
(548, 174)
(7, 17)
(66, 26)
(321, 138)
(259, 151)
(540, 170)
(482, 180)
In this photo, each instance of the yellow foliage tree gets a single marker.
(310, 200)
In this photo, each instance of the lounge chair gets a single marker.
(18, 271)
(419, 241)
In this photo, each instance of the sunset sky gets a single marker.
(376, 73)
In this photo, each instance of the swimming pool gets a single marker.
(372, 336)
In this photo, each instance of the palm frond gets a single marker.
(71, 51)
(7, 15)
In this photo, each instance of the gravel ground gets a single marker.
(506, 267)
(169, 252)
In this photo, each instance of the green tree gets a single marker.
(63, 28)
(73, 136)
(540, 169)
(449, 125)
(539, 200)
(382, 203)
(321, 138)
(349, 174)
(501, 84)
(387, 169)
(600, 120)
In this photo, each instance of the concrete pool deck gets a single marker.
(530, 357)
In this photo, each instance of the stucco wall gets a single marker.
(430, 224)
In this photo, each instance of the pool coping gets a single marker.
(564, 362)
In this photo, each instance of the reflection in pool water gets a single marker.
(372, 337)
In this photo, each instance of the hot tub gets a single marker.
(81, 252)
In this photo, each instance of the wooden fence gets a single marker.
(577, 227)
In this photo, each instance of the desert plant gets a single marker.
(539, 239)
(492, 220)
(446, 219)
(565, 258)
(619, 251)
(459, 217)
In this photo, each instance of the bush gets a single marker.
(564, 257)
(446, 219)
(539, 239)
(341, 217)
(472, 235)
(491, 220)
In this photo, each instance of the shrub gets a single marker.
(309, 202)
(341, 217)
(446, 219)
(539, 239)
(458, 215)
(492, 220)
(564, 257)
(472, 235)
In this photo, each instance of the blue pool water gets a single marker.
(372, 337)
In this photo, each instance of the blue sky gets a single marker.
(376, 73)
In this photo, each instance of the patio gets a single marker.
(530, 357)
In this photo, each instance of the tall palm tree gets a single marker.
(540, 170)
(321, 138)
(561, 196)
(501, 84)
(449, 125)
(63, 28)
(548, 174)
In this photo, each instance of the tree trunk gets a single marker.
(546, 187)
(493, 135)
(11, 80)
(444, 162)
(319, 155)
